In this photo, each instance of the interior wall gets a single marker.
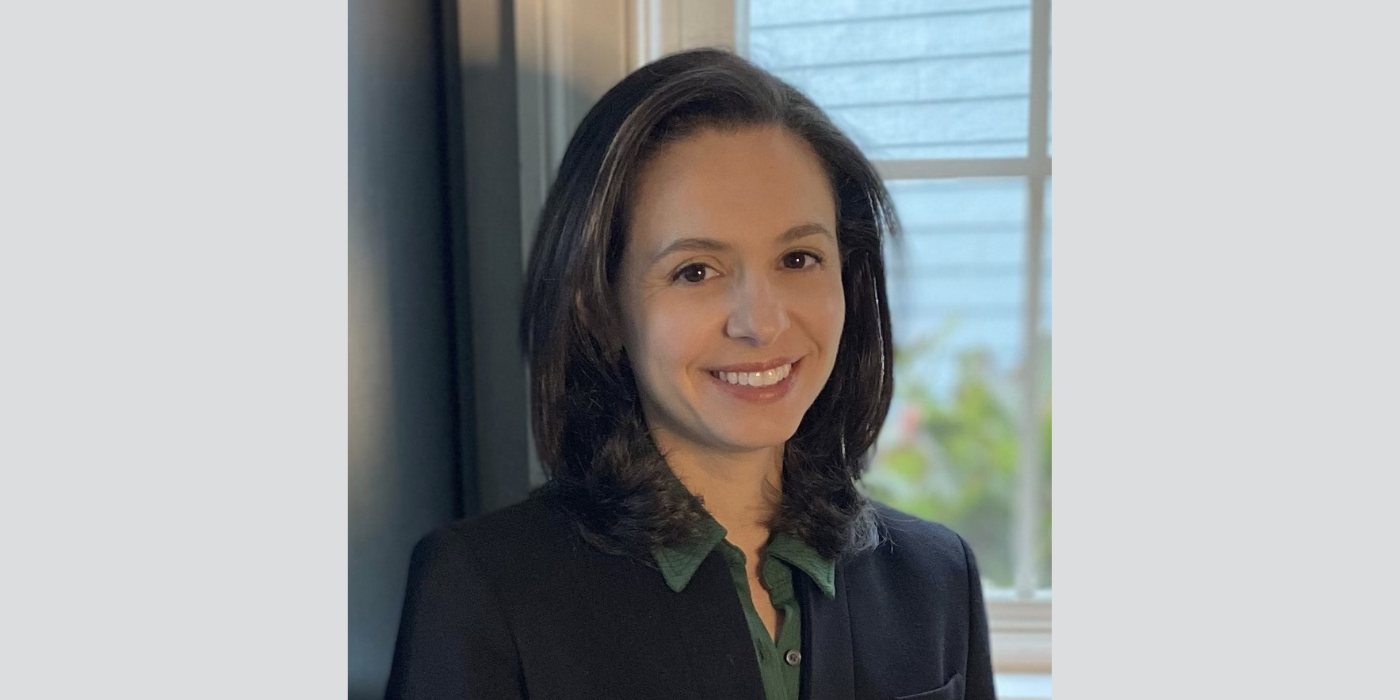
(404, 447)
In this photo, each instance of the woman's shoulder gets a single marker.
(910, 541)
(526, 534)
(528, 561)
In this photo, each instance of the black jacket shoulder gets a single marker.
(921, 544)
(526, 525)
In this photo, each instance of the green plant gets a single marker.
(954, 457)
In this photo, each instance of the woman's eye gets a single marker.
(693, 274)
(798, 260)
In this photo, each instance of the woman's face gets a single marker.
(730, 287)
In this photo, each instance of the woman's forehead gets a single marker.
(742, 185)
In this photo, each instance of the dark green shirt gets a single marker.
(778, 662)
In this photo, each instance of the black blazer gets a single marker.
(516, 605)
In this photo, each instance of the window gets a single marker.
(950, 99)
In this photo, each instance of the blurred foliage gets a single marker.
(954, 458)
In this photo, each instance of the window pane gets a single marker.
(930, 79)
(950, 449)
(911, 79)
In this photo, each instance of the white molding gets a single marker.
(643, 32)
(654, 26)
(1020, 635)
(661, 27)
(567, 53)
(740, 20)
(707, 23)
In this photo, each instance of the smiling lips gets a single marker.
(761, 382)
(767, 377)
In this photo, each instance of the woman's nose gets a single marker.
(759, 314)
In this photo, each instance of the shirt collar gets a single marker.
(679, 563)
(820, 569)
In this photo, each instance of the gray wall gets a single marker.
(404, 462)
(437, 385)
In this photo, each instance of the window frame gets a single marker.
(1019, 618)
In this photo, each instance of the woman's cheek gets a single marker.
(675, 334)
(826, 307)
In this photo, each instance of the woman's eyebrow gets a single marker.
(690, 245)
(711, 245)
(804, 230)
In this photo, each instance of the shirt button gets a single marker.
(793, 657)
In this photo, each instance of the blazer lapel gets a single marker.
(713, 636)
(828, 662)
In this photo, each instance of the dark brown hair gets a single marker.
(588, 427)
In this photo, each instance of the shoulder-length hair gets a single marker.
(589, 431)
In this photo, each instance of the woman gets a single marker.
(709, 343)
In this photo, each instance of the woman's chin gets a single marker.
(750, 437)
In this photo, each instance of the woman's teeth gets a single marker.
(767, 377)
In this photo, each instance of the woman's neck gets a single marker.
(741, 490)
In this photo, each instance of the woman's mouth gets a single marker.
(767, 377)
(761, 386)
